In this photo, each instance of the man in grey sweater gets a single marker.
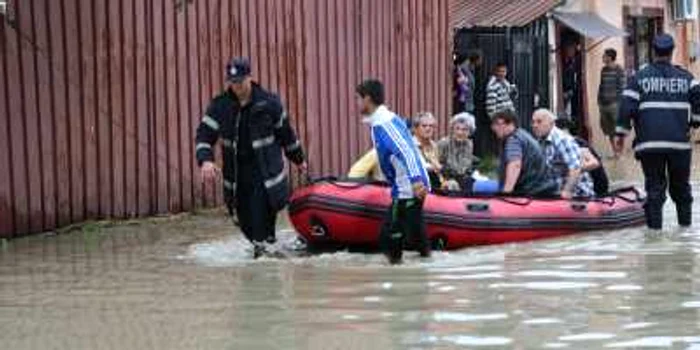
(612, 82)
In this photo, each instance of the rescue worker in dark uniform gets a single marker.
(663, 102)
(255, 131)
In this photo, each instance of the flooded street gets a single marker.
(188, 283)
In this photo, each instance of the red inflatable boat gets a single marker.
(350, 214)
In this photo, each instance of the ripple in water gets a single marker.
(465, 340)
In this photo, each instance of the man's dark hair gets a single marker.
(611, 53)
(663, 53)
(474, 55)
(372, 88)
(507, 115)
(500, 64)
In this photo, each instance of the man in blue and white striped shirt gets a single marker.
(500, 93)
(401, 164)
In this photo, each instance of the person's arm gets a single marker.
(588, 160)
(695, 103)
(513, 169)
(513, 153)
(364, 166)
(620, 82)
(600, 87)
(206, 136)
(628, 110)
(571, 154)
(404, 150)
(286, 136)
(491, 99)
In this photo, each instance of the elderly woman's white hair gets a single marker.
(545, 112)
(466, 119)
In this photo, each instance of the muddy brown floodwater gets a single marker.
(188, 283)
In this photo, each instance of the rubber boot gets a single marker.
(395, 251)
(685, 215)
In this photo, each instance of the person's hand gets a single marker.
(209, 171)
(566, 194)
(619, 144)
(419, 190)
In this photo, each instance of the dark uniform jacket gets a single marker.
(270, 135)
(662, 101)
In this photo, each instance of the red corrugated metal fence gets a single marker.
(99, 99)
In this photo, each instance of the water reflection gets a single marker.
(189, 283)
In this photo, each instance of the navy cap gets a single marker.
(237, 70)
(663, 42)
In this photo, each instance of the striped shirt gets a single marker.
(563, 154)
(498, 96)
(612, 82)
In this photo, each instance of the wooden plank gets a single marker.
(350, 111)
(186, 134)
(261, 29)
(103, 108)
(271, 44)
(60, 112)
(227, 32)
(421, 53)
(46, 124)
(74, 101)
(88, 107)
(323, 80)
(333, 64)
(444, 33)
(116, 98)
(253, 9)
(172, 112)
(196, 106)
(160, 109)
(130, 111)
(143, 115)
(31, 138)
(312, 81)
(205, 67)
(7, 220)
(301, 115)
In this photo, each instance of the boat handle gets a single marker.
(477, 207)
(579, 206)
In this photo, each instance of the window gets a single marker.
(683, 9)
(3, 7)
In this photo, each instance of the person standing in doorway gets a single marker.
(571, 87)
(401, 164)
(500, 93)
(663, 100)
(255, 131)
(612, 82)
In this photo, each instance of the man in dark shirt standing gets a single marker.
(255, 131)
(612, 82)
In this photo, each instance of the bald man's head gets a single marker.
(542, 122)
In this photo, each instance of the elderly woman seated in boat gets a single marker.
(456, 152)
(424, 126)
